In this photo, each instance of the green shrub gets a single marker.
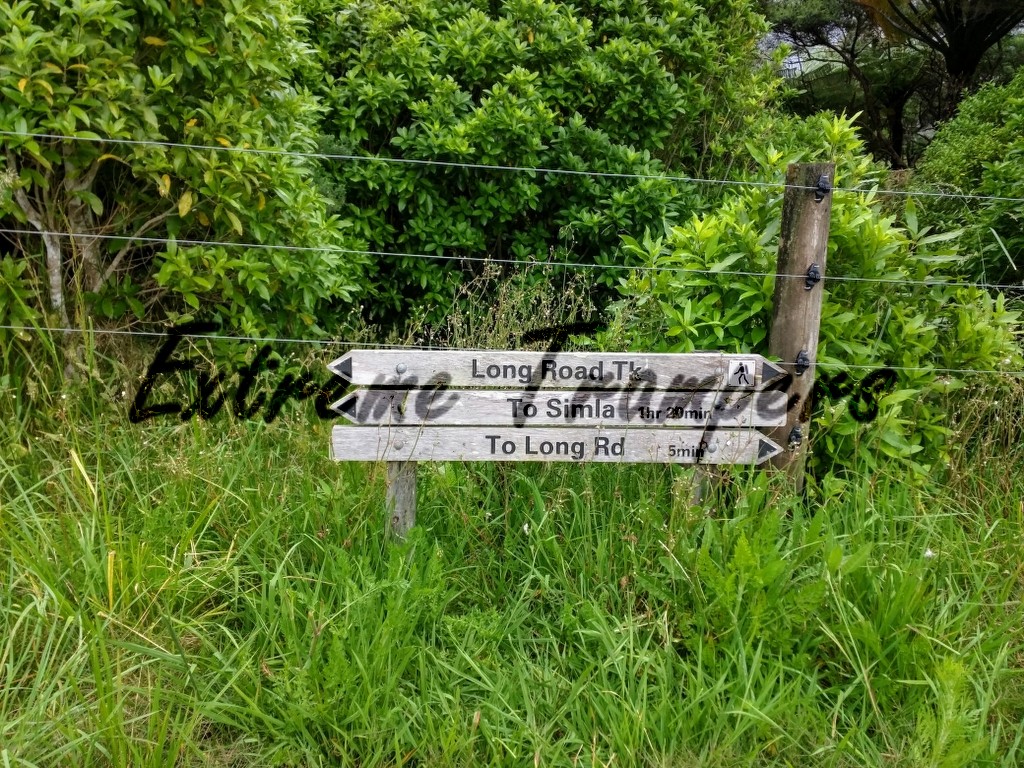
(17, 298)
(981, 152)
(977, 136)
(601, 85)
(709, 285)
(216, 74)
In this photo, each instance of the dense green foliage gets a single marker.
(602, 85)
(980, 134)
(712, 280)
(981, 152)
(217, 73)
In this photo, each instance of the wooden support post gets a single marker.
(803, 243)
(401, 498)
(702, 484)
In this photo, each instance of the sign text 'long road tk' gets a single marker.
(699, 408)
(563, 370)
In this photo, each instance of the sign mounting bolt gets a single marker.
(796, 437)
(400, 368)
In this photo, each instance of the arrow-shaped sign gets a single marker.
(565, 408)
(665, 446)
(413, 369)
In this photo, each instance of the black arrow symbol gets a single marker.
(770, 371)
(347, 406)
(766, 449)
(343, 367)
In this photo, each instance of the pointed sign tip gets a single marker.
(770, 371)
(766, 449)
(347, 406)
(342, 367)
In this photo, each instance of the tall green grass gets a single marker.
(220, 594)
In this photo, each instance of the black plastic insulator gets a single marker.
(803, 362)
(823, 187)
(813, 277)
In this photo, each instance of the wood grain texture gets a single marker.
(414, 369)
(796, 317)
(401, 497)
(567, 408)
(633, 446)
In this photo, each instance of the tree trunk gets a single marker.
(81, 220)
(51, 243)
(55, 277)
(84, 249)
(897, 131)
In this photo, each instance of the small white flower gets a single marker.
(929, 554)
(526, 528)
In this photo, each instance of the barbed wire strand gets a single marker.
(425, 347)
(494, 167)
(189, 243)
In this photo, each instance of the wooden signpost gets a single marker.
(698, 409)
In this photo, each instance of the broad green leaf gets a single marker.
(93, 200)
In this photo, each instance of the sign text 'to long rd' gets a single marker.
(671, 446)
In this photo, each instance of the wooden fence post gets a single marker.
(401, 497)
(796, 316)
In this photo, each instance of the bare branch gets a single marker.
(918, 29)
(82, 182)
(127, 247)
(22, 199)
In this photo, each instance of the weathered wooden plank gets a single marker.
(401, 496)
(640, 446)
(637, 408)
(413, 369)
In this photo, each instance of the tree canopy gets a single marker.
(904, 66)
(962, 31)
